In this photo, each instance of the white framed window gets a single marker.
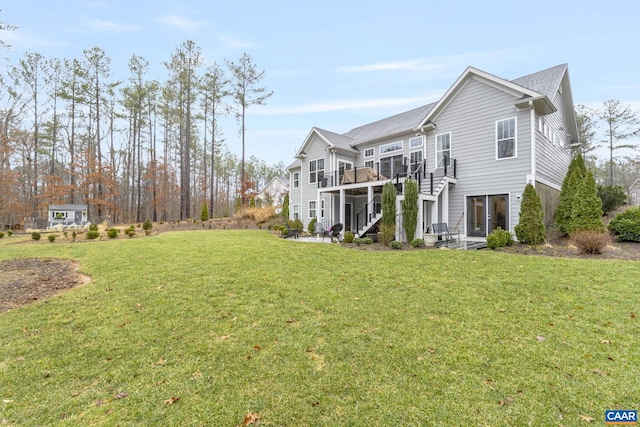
(343, 166)
(634, 197)
(443, 148)
(390, 166)
(415, 142)
(368, 164)
(392, 146)
(415, 160)
(296, 211)
(369, 152)
(312, 208)
(296, 179)
(506, 138)
(316, 170)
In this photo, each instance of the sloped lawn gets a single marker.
(225, 328)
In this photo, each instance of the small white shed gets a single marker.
(69, 215)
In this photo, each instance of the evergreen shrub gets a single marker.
(9, 233)
(92, 234)
(112, 233)
(626, 225)
(367, 240)
(417, 242)
(312, 224)
(348, 237)
(499, 238)
(586, 210)
(530, 229)
(612, 196)
(51, 237)
(35, 235)
(396, 245)
(1, 234)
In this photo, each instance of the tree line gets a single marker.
(133, 149)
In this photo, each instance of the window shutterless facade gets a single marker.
(369, 152)
(506, 138)
(316, 170)
(296, 179)
(392, 146)
(415, 160)
(443, 148)
(312, 209)
(415, 142)
(296, 211)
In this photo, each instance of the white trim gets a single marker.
(533, 142)
(391, 144)
(411, 145)
(373, 152)
(515, 138)
(436, 149)
(315, 209)
(547, 183)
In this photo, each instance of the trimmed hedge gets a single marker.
(626, 225)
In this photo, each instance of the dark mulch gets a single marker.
(25, 280)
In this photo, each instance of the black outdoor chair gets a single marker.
(318, 230)
(336, 229)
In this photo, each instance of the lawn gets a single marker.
(210, 327)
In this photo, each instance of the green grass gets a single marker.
(238, 322)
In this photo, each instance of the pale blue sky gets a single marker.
(341, 64)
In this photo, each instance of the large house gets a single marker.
(472, 152)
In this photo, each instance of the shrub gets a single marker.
(612, 196)
(626, 225)
(499, 238)
(131, 231)
(285, 206)
(204, 213)
(410, 208)
(92, 234)
(576, 172)
(388, 233)
(358, 241)
(396, 245)
(586, 211)
(147, 225)
(348, 237)
(312, 224)
(74, 235)
(297, 224)
(9, 233)
(112, 233)
(590, 241)
(35, 235)
(1, 234)
(367, 240)
(389, 193)
(93, 227)
(51, 237)
(416, 243)
(65, 234)
(530, 229)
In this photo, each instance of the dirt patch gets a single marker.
(26, 280)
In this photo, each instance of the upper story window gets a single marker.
(415, 142)
(415, 160)
(506, 138)
(296, 179)
(369, 152)
(316, 170)
(343, 166)
(392, 146)
(443, 148)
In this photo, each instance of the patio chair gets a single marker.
(318, 230)
(336, 229)
(291, 232)
(442, 230)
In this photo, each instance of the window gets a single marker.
(368, 164)
(316, 170)
(415, 142)
(59, 215)
(415, 160)
(369, 152)
(296, 179)
(506, 138)
(343, 166)
(389, 166)
(296, 211)
(393, 146)
(443, 148)
(312, 208)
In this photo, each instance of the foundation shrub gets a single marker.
(590, 241)
(625, 226)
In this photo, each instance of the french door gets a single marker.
(486, 213)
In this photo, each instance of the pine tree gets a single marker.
(285, 206)
(586, 212)
(204, 214)
(530, 229)
(388, 220)
(568, 192)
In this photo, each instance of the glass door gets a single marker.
(499, 212)
(476, 210)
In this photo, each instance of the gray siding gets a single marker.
(471, 118)
(295, 194)
(553, 153)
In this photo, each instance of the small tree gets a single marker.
(586, 212)
(410, 208)
(204, 213)
(577, 170)
(285, 206)
(388, 220)
(530, 229)
(612, 196)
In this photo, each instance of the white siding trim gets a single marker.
(533, 143)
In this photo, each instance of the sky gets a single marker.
(337, 65)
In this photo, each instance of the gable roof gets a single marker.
(539, 88)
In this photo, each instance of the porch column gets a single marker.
(342, 201)
(420, 228)
(445, 204)
(370, 209)
(434, 213)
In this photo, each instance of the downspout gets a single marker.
(533, 144)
